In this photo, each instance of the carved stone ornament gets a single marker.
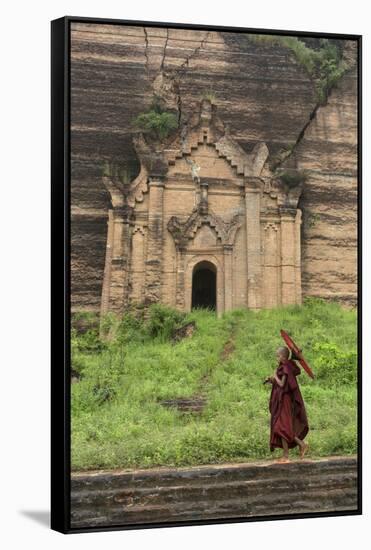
(183, 231)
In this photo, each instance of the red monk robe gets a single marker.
(286, 405)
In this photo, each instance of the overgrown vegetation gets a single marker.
(117, 420)
(324, 65)
(292, 177)
(123, 172)
(210, 95)
(157, 121)
(311, 219)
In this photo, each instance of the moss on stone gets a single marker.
(324, 65)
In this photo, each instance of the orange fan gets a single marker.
(296, 350)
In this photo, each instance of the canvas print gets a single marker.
(214, 281)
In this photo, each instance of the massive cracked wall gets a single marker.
(261, 92)
(328, 152)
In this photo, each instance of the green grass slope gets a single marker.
(117, 420)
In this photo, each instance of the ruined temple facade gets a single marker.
(203, 224)
(263, 94)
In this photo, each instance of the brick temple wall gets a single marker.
(262, 94)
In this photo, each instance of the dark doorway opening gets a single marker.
(204, 286)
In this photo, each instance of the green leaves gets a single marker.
(334, 365)
(117, 420)
(162, 321)
(324, 65)
(293, 177)
(159, 123)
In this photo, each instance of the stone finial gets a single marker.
(206, 111)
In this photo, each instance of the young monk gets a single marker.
(289, 424)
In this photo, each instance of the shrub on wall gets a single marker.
(157, 121)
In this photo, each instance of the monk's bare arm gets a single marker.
(280, 381)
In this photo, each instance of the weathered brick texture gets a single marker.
(267, 102)
(209, 192)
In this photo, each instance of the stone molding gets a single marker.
(261, 203)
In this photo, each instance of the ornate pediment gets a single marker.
(204, 131)
(184, 231)
(207, 128)
(127, 196)
(245, 164)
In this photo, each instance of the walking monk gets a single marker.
(289, 424)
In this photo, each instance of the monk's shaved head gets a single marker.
(283, 351)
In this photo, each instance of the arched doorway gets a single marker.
(204, 285)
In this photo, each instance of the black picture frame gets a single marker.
(61, 276)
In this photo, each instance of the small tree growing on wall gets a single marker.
(210, 95)
(157, 121)
(325, 65)
(292, 178)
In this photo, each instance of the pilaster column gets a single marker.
(127, 248)
(298, 257)
(272, 265)
(253, 242)
(204, 206)
(180, 279)
(107, 266)
(228, 277)
(119, 254)
(154, 241)
(288, 255)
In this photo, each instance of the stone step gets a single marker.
(213, 491)
(313, 500)
(128, 495)
(209, 474)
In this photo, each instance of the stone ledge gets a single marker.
(123, 497)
